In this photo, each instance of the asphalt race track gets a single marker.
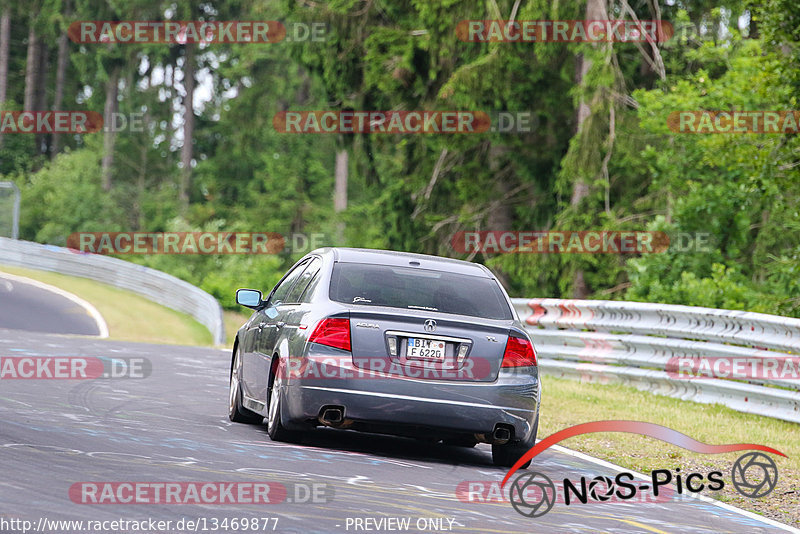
(24, 306)
(172, 426)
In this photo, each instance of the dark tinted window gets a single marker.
(283, 288)
(302, 283)
(406, 287)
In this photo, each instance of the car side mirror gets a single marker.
(248, 297)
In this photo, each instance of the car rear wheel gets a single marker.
(275, 429)
(236, 412)
(508, 454)
(466, 441)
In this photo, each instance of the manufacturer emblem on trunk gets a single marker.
(430, 325)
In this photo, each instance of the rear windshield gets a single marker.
(418, 289)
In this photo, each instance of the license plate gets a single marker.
(425, 349)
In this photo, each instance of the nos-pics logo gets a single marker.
(533, 494)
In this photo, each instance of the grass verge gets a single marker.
(129, 316)
(566, 403)
(233, 322)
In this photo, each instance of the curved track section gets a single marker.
(36, 307)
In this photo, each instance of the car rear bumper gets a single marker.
(450, 406)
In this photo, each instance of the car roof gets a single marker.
(394, 258)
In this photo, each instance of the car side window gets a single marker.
(296, 293)
(308, 294)
(285, 286)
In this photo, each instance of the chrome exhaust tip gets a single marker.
(332, 415)
(501, 435)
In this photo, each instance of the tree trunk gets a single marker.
(109, 135)
(58, 99)
(500, 217)
(753, 32)
(188, 128)
(40, 95)
(595, 10)
(5, 40)
(32, 64)
(141, 181)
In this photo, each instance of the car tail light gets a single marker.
(333, 333)
(519, 353)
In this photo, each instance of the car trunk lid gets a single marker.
(427, 345)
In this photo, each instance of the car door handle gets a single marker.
(261, 326)
(280, 324)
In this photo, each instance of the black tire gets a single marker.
(508, 454)
(236, 412)
(275, 428)
(466, 441)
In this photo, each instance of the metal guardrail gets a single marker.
(152, 284)
(637, 343)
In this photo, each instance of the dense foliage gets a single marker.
(616, 167)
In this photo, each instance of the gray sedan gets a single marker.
(388, 342)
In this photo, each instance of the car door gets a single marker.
(248, 346)
(266, 328)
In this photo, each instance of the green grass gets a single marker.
(566, 403)
(129, 316)
(233, 321)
